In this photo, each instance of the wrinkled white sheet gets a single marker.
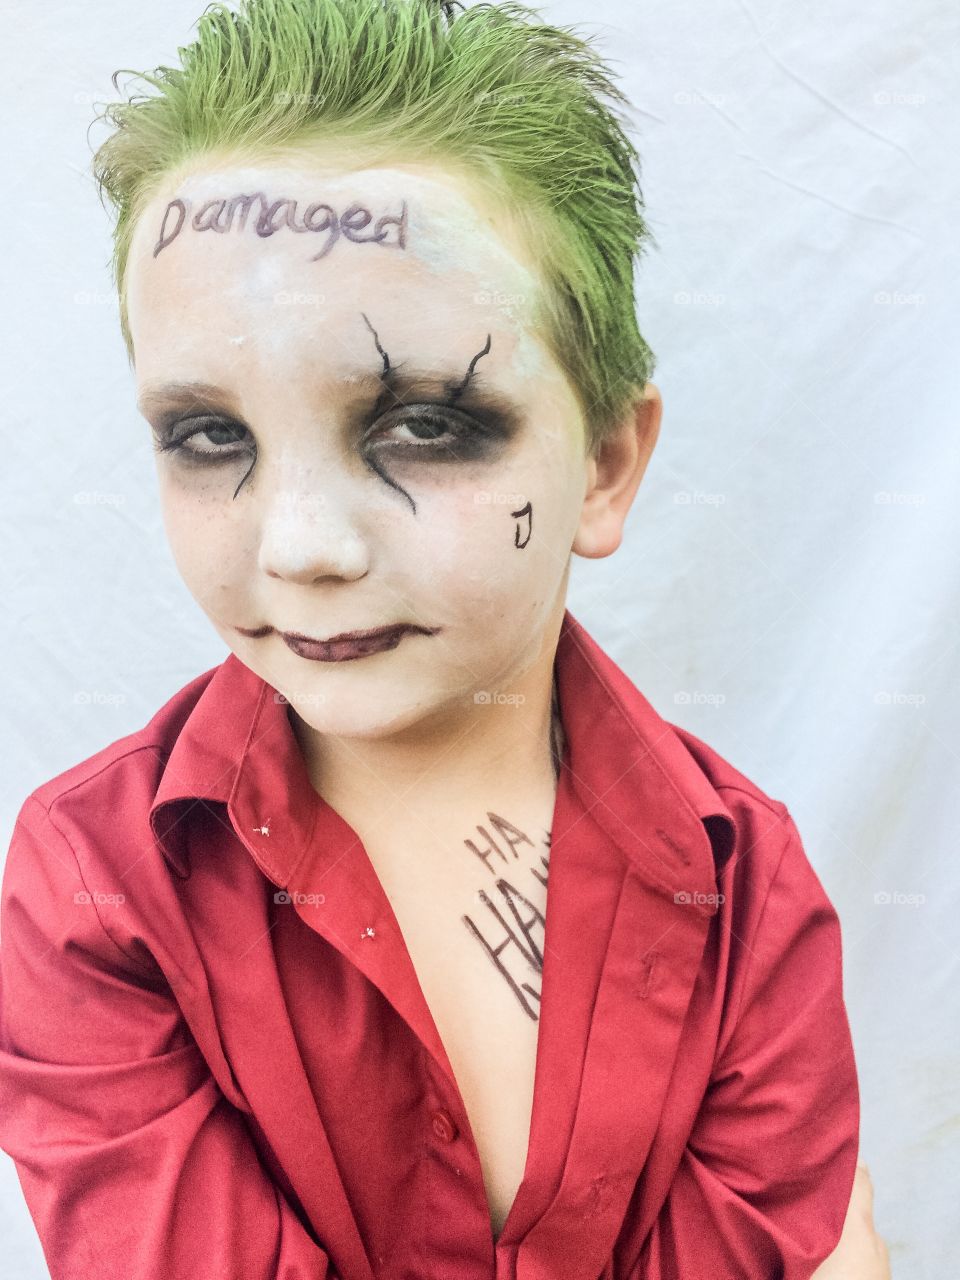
(788, 588)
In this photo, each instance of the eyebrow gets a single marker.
(168, 397)
(181, 395)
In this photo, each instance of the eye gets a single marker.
(431, 431)
(207, 439)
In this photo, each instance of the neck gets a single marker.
(486, 754)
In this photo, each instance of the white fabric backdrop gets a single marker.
(788, 587)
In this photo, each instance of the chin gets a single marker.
(347, 716)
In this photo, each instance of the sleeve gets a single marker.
(763, 1185)
(133, 1164)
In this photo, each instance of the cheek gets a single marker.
(205, 542)
(485, 543)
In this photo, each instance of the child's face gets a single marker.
(299, 509)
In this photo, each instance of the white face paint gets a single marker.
(316, 540)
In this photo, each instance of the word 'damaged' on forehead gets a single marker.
(221, 214)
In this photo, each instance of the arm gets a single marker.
(862, 1254)
(764, 1182)
(133, 1164)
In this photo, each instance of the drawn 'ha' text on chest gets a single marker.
(509, 927)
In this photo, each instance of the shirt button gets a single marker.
(443, 1126)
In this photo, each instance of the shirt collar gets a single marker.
(628, 766)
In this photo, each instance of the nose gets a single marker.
(307, 536)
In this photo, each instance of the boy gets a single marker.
(409, 940)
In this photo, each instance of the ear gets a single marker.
(614, 473)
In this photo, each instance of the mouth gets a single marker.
(351, 644)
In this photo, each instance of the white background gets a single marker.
(789, 585)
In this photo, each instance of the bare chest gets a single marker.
(474, 926)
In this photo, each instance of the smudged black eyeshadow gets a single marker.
(478, 427)
(473, 429)
(168, 439)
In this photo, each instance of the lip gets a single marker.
(351, 644)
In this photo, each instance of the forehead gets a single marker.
(280, 259)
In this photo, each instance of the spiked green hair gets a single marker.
(490, 92)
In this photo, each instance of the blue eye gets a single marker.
(424, 428)
(437, 433)
(427, 433)
(211, 428)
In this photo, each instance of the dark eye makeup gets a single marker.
(172, 440)
(436, 432)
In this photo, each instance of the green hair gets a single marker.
(490, 92)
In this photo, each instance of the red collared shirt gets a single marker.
(217, 1062)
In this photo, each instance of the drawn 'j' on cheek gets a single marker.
(524, 526)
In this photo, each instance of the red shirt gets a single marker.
(217, 1062)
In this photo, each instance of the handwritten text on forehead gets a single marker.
(273, 215)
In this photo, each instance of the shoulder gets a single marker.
(110, 792)
(771, 898)
(766, 843)
(746, 801)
